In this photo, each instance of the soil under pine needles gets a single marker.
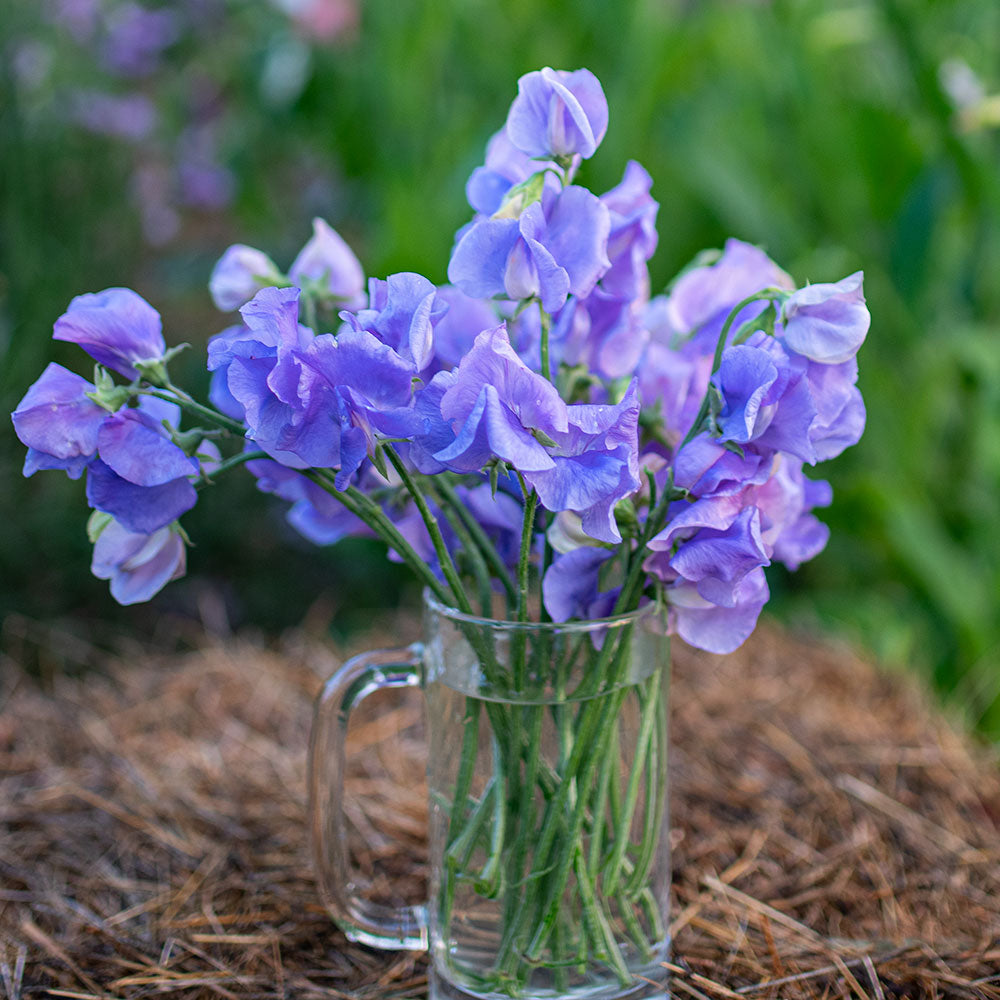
(834, 835)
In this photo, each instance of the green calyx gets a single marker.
(520, 196)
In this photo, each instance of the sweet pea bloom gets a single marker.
(497, 405)
(544, 372)
(140, 477)
(558, 113)
(827, 323)
(138, 565)
(595, 464)
(556, 247)
(702, 297)
(402, 313)
(58, 423)
(766, 398)
(239, 274)
(328, 261)
(115, 327)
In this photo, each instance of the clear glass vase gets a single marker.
(547, 777)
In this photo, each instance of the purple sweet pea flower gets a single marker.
(726, 542)
(239, 274)
(353, 378)
(115, 327)
(713, 627)
(403, 312)
(840, 410)
(717, 559)
(327, 259)
(765, 398)
(140, 509)
(672, 381)
(596, 464)
(789, 531)
(605, 334)
(704, 467)
(58, 423)
(558, 113)
(827, 323)
(314, 513)
(138, 564)
(570, 588)
(555, 248)
(134, 446)
(633, 236)
(140, 477)
(495, 402)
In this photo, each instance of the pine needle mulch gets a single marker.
(833, 835)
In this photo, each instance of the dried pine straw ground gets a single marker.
(834, 836)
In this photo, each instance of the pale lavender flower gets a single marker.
(505, 167)
(633, 237)
(314, 513)
(58, 423)
(496, 404)
(558, 113)
(570, 588)
(403, 312)
(713, 627)
(765, 398)
(115, 327)
(826, 323)
(138, 564)
(702, 298)
(239, 274)
(457, 329)
(328, 260)
(596, 464)
(555, 248)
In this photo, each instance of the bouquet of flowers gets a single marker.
(540, 431)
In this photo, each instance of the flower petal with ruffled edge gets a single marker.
(558, 113)
(58, 423)
(138, 565)
(116, 327)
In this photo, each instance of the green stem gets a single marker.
(185, 402)
(469, 548)
(595, 916)
(653, 820)
(433, 529)
(230, 463)
(546, 324)
(523, 562)
(622, 834)
(604, 779)
(364, 508)
(483, 540)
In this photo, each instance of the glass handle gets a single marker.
(362, 921)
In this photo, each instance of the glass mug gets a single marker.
(549, 838)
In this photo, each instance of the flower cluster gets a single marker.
(542, 422)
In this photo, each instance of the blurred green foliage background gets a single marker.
(837, 135)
